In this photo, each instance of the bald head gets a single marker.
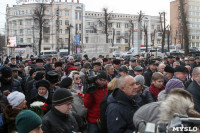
(128, 85)
(161, 67)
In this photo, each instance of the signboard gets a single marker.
(11, 42)
(76, 39)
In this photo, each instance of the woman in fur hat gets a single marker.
(44, 94)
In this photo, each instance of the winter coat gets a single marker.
(13, 86)
(9, 117)
(78, 105)
(155, 91)
(194, 89)
(120, 111)
(145, 114)
(148, 76)
(92, 103)
(29, 94)
(47, 67)
(187, 83)
(3, 104)
(48, 101)
(146, 95)
(56, 122)
(131, 71)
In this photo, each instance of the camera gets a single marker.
(90, 85)
(179, 123)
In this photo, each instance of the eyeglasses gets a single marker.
(77, 78)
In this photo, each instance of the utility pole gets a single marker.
(175, 38)
(69, 28)
(33, 35)
(129, 44)
(146, 37)
(168, 36)
(163, 30)
(139, 31)
(113, 37)
(57, 29)
(106, 23)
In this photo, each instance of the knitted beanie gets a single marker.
(66, 82)
(173, 83)
(27, 121)
(15, 98)
(61, 96)
(139, 79)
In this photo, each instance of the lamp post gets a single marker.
(69, 28)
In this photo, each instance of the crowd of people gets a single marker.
(97, 95)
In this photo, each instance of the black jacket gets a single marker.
(147, 77)
(13, 86)
(187, 83)
(56, 122)
(194, 89)
(120, 111)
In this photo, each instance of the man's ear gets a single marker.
(153, 81)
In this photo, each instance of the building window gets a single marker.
(158, 27)
(60, 13)
(110, 32)
(126, 40)
(60, 22)
(80, 27)
(66, 13)
(78, 15)
(60, 40)
(28, 31)
(118, 33)
(193, 37)
(28, 22)
(126, 33)
(118, 25)
(15, 32)
(118, 40)
(21, 31)
(46, 40)
(66, 40)
(158, 41)
(21, 22)
(66, 31)
(109, 40)
(152, 27)
(21, 40)
(197, 44)
(110, 25)
(29, 40)
(30, 11)
(66, 22)
(197, 37)
(126, 25)
(15, 23)
(22, 12)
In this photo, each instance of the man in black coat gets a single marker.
(149, 72)
(60, 118)
(122, 106)
(194, 88)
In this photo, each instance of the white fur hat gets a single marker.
(15, 98)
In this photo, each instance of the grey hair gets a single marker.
(122, 80)
(196, 71)
(108, 66)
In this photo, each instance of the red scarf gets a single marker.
(155, 91)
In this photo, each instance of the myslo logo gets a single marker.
(182, 128)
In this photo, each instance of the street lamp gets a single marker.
(69, 28)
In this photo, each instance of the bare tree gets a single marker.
(39, 19)
(2, 42)
(185, 28)
(163, 29)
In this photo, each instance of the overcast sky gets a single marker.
(149, 7)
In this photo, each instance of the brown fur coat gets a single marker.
(9, 116)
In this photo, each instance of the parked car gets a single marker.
(117, 53)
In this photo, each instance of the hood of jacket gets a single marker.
(174, 104)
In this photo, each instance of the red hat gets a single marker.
(68, 69)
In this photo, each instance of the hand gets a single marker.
(6, 92)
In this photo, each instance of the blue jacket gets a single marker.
(120, 111)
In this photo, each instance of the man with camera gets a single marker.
(92, 102)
